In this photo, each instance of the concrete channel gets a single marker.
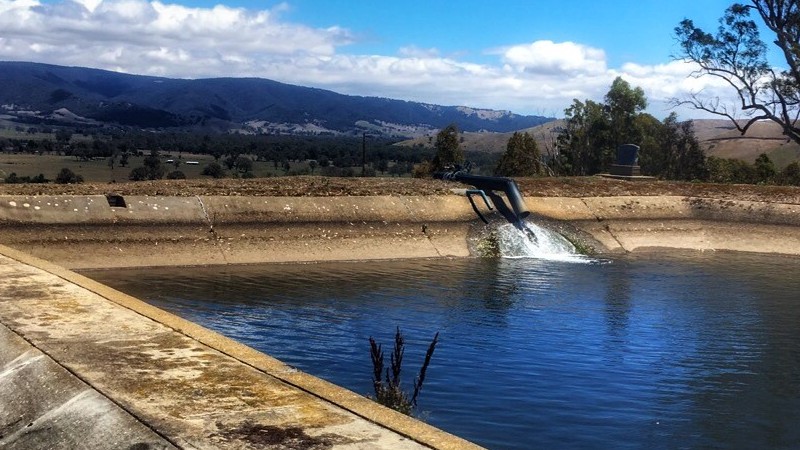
(85, 366)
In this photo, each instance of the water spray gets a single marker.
(516, 211)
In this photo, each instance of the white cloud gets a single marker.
(151, 37)
(548, 57)
(413, 51)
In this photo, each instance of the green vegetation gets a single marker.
(214, 170)
(762, 171)
(12, 178)
(521, 158)
(388, 391)
(448, 149)
(67, 176)
(100, 153)
(587, 144)
(668, 149)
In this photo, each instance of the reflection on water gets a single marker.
(696, 351)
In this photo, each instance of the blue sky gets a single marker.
(638, 31)
(529, 57)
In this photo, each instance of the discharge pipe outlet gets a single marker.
(518, 211)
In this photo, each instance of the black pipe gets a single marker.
(506, 185)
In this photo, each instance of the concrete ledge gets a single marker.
(196, 387)
(86, 232)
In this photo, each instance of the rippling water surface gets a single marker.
(690, 351)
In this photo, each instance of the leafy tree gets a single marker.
(737, 55)
(730, 171)
(244, 164)
(448, 149)
(521, 158)
(587, 144)
(67, 176)
(623, 104)
(230, 162)
(764, 169)
(584, 145)
(214, 170)
(63, 136)
(791, 174)
(383, 165)
(672, 151)
(153, 169)
(138, 174)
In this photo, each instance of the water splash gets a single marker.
(548, 244)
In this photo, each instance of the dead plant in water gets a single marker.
(388, 391)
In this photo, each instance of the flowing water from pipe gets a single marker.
(547, 244)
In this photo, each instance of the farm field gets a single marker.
(99, 171)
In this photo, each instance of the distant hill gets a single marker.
(31, 92)
(717, 137)
(763, 137)
(544, 134)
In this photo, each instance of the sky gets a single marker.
(525, 56)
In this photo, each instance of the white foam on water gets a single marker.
(548, 244)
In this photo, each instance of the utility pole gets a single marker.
(364, 154)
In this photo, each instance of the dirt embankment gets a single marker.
(575, 187)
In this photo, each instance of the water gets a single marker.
(546, 244)
(689, 351)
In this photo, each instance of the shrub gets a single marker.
(14, 179)
(422, 170)
(214, 170)
(67, 176)
(138, 174)
(176, 175)
(791, 174)
(388, 391)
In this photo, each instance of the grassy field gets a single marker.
(99, 171)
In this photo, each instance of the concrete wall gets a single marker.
(83, 232)
(86, 232)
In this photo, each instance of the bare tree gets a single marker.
(737, 55)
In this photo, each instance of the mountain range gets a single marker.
(34, 92)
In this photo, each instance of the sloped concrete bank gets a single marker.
(629, 224)
(87, 232)
(82, 365)
(82, 232)
(85, 366)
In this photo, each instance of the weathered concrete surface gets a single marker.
(44, 406)
(85, 232)
(192, 387)
(636, 223)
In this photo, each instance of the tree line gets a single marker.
(587, 144)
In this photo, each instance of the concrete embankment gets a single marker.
(86, 232)
(99, 232)
(649, 223)
(84, 366)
